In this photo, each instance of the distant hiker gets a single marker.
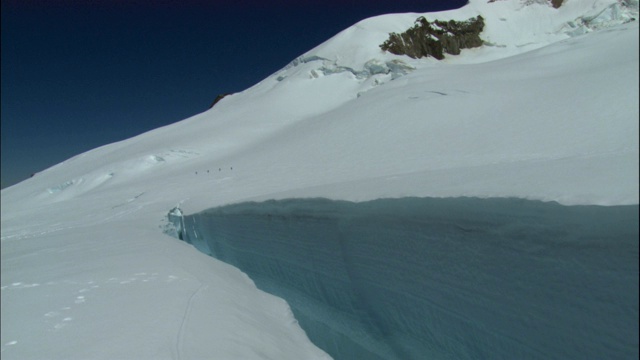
(219, 169)
(196, 173)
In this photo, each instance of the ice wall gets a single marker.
(428, 278)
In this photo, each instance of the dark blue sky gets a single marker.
(80, 74)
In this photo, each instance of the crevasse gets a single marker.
(426, 278)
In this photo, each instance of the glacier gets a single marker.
(439, 278)
(513, 233)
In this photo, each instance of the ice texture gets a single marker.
(428, 278)
(395, 67)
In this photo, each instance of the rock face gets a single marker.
(218, 98)
(555, 3)
(436, 38)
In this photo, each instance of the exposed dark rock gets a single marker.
(556, 3)
(436, 38)
(218, 98)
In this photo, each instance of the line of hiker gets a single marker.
(219, 170)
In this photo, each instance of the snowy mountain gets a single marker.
(545, 111)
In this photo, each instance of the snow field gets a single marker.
(87, 272)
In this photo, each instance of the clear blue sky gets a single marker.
(78, 74)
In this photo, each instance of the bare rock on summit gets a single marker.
(555, 3)
(436, 38)
(218, 98)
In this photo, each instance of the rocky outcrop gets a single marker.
(436, 38)
(218, 98)
(555, 3)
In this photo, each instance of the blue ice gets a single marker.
(426, 278)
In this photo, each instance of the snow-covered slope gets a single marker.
(548, 112)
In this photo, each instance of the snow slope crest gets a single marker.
(512, 27)
(327, 81)
(351, 66)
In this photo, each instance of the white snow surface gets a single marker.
(549, 112)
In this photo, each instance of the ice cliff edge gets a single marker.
(459, 278)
